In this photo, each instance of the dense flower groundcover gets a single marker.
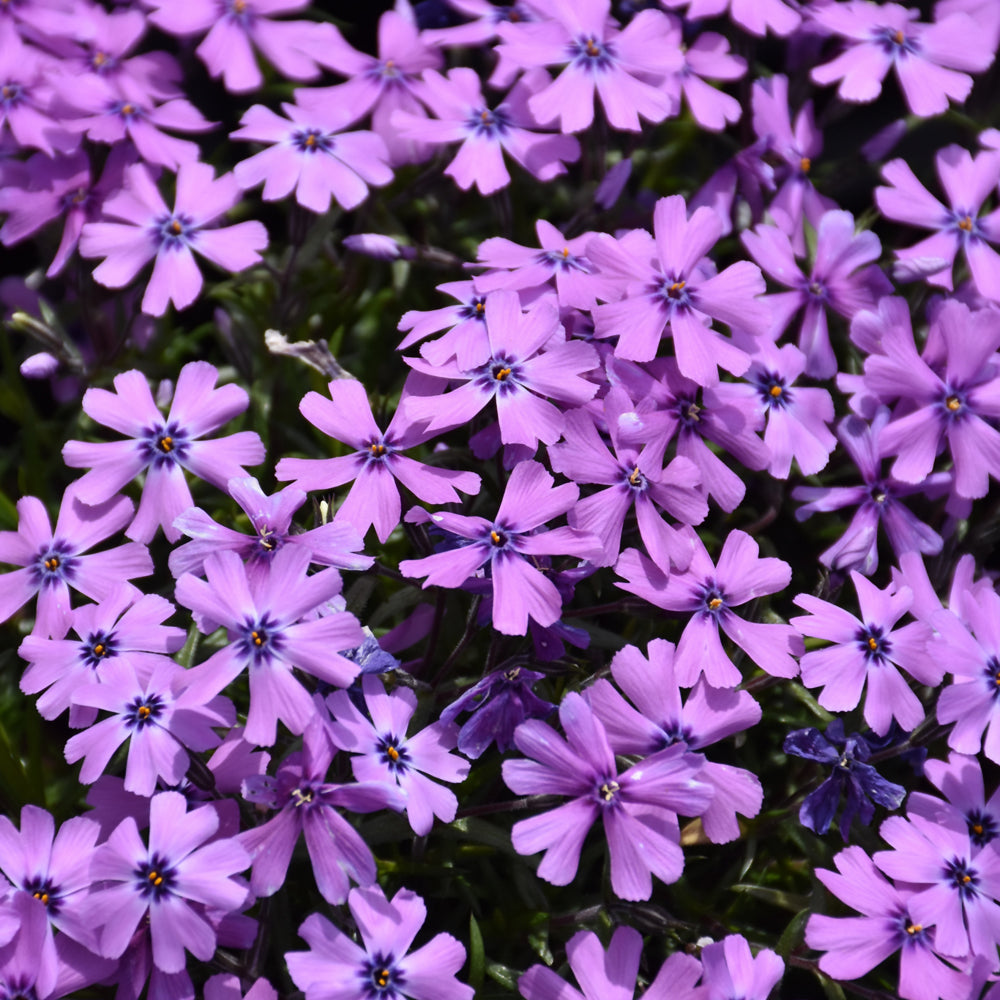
(499, 499)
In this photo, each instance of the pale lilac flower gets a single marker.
(171, 883)
(465, 340)
(611, 975)
(755, 16)
(378, 461)
(268, 636)
(309, 153)
(967, 181)
(383, 753)
(382, 967)
(598, 56)
(931, 61)
(308, 804)
(960, 781)
(26, 97)
(638, 808)
(665, 280)
(711, 593)
(731, 970)
(148, 230)
(270, 517)
(163, 447)
(53, 562)
(659, 719)
(869, 648)
(509, 544)
(707, 56)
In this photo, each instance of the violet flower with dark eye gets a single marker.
(378, 460)
(329, 544)
(163, 447)
(465, 338)
(497, 705)
(848, 756)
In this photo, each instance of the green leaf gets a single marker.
(477, 957)
(502, 974)
(776, 897)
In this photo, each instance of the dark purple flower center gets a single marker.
(155, 878)
(499, 375)
(879, 493)
(512, 14)
(380, 978)
(874, 644)
(963, 877)
(164, 444)
(486, 123)
(591, 54)
(911, 932)
(44, 891)
(98, 647)
(773, 390)
(304, 796)
(101, 62)
(953, 404)
(816, 289)
(563, 260)
(388, 74)
(127, 109)
(75, 199)
(171, 232)
(991, 675)
(674, 292)
(965, 224)
(238, 10)
(11, 94)
(475, 309)
(674, 732)
(143, 711)
(267, 542)
(607, 791)
(312, 140)
(713, 598)
(896, 42)
(635, 480)
(982, 827)
(260, 640)
(394, 756)
(55, 562)
(377, 451)
(689, 412)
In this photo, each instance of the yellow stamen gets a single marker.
(565, 252)
(635, 477)
(302, 797)
(775, 391)
(382, 979)
(377, 450)
(310, 140)
(953, 403)
(592, 49)
(914, 929)
(176, 228)
(128, 109)
(805, 164)
(609, 789)
(977, 829)
(52, 563)
(966, 879)
(480, 308)
(156, 878)
(872, 643)
(501, 373)
(99, 649)
(496, 539)
(715, 603)
(966, 224)
(166, 443)
(144, 712)
(899, 38)
(99, 59)
(258, 639)
(42, 897)
(676, 287)
(392, 753)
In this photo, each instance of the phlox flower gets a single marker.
(869, 648)
(26, 96)
(465, 340)
(731, 970)
(309, 153)
(227, 987)
(377, 462)
(931, 61)
(268, 636)
(383, 753)
(163, 447)
(170, 883)
(853, 946)
(665, 280)
(660, 719)
(148, 230)
(509, 544)
(707, 56)
(235, 28)
(270, 517)
(967, 181)
(382, 967)
(611, 974)
(638, 808)
(52, 562)
(711, 593)
(308, 804)
(960, 781)
(462, 114)
(756, 16)
(529, 364)
(598, 56)
(127, 626)
(842, 278)
(159, 717)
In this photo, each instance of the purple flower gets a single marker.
(528, 362)
(126, 626)
(711, 593)
(309, 153)
(170, 883)
(834, 282)
(611, 974)
(660, 720)
(960, 780)
(308, 804)
(377, 461)
(617, 64)
(268, 637)
(869, 648)
(382, 967)
(53, 562)
(708, 56)
(462, 114)
(731, 970)
(638, 807)
(931, 61)
(509, 544)
(148, 230)
(26, 96)
(877, 499)
(847, 755)
(163, 447)
(271, 520)
(666, 280)
(967, 181)
(466, 338)
(497, 705)
(755, 16)
(853, 946)
(384, 754)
